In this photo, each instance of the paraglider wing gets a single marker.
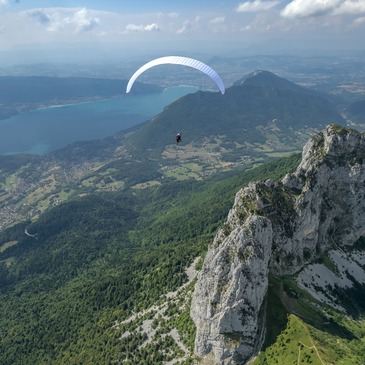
(185, 61)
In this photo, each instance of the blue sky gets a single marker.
(214, 25)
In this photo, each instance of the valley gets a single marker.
(87, 167)
(25, 195)
(104, 241)
(124, 271)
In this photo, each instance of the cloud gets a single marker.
(76, 20)
(40, 16)
(185, 27)
(359, 21)
(308, 8)
(312, 8)
(3, 2)
(191, 25)
(152, 27)
(172, 15)
(256, 6)
(351, 7)
(142, 28)
(263, 23)
(218, 20)
(83, 22)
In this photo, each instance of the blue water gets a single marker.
(45, 130)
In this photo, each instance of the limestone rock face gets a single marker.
(232, 286)
(278, 228)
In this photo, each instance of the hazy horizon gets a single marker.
(94, 31)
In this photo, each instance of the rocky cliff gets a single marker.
(282, 228)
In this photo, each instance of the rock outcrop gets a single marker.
(278, 228)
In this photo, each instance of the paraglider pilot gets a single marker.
(178, 138)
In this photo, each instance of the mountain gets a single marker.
(260, 108)
(262, 118)
(262, 78)
(107, 276)
(297, 245)
(102, 277)
(100, 242)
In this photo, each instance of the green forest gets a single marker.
(95, 260)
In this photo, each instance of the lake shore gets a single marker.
(50, 127)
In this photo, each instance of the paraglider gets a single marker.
(184, 61)
(178, 138)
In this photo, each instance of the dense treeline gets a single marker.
(131, 171)
(12, 163)
(70, 237)
(96, 259)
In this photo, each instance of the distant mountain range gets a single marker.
(18, 93)
(39, 89)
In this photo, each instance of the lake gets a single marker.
(45, 130)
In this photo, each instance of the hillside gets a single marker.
(284, 279)
(262, 118)
(69, 288)
(262, 78)
(262, 108)
(109, 276)
(100, 242)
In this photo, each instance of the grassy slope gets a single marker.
(300, 331)
(302, 343)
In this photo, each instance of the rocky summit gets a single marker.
(280, 229)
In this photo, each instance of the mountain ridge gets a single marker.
(267, 79)
(281, 229)
(23, 93)
(259, 102)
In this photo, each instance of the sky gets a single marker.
(89, 28)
